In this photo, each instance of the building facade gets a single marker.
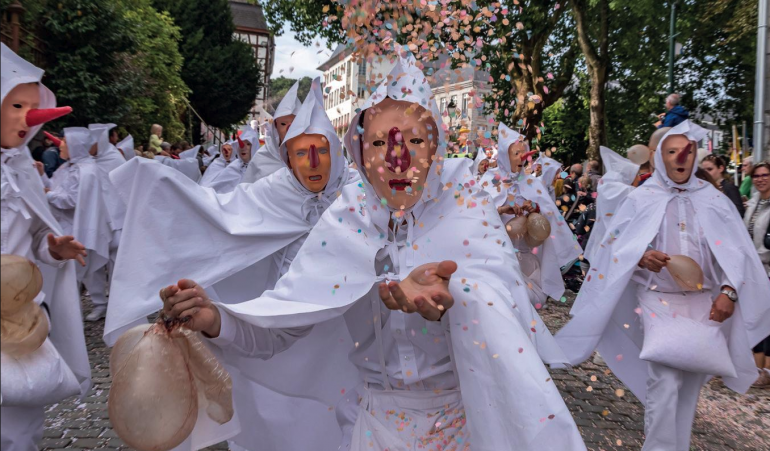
(251, 28)
(348, 84)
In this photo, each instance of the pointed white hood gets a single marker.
(693, 132)
(290, 104)
(79, 142)
(506, 137)
(126, 146)
(407, 83)
(15, 71)
(104, 137)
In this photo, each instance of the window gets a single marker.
(263, 40)
(362, 68)
(443, 105)
(260, 93)
(262, 52)
(466, 103)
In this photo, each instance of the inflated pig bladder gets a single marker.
(517, 227)
(23, 325)
(686, 272)
(153, 402)
(538, 227)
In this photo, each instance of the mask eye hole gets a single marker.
(323, 151)
(416, 140)
(17, 105)
(379, 143)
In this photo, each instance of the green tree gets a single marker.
(159, 91)
(279, 86)
(86, 40)
(221, 72)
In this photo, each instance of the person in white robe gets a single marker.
(516, 193)
(619, 180)
(663, 331)
(259, 229)
(84, 201)
(548, 170)
(126, 147)
(29, 230)
(468, 376)
(107, 156)
(226, 157)
(244, 147)
(267, 159)
(187, 163)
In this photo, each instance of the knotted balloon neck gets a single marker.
(682, 157)
(315, 160)
(37, 116)
(397, 157)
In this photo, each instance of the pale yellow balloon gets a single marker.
(686, 272)
(532, 242)
(517, 227)
(538, 227)
(639, 154)
(20, 282)
(24, 332)
(153, 401)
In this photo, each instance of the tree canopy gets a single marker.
(279, 86)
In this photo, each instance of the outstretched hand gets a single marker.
(425, 291)
(66, 248)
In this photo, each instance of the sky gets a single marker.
(293, 60)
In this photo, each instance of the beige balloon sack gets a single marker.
(23, 325)
(162, 374)
(686, 272)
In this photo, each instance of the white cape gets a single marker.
(603, 314)
(187, 163)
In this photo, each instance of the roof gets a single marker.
(247, 15)
(339, 53)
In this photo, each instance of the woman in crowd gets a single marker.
(757, 221)
(716, 166)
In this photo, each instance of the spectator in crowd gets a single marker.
(716, 166)
(595, 172)
(174, 151)
(114, 136)
(757, 221)
(49, 156)
(155, 139)
(165, 149)
(645, 172)
(571, 182)
(746, 167)
(184, 145)
(675, 114)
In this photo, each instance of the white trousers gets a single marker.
(96, 284)
(21, 428)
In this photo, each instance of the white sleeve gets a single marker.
(247, 340)
(64, 197)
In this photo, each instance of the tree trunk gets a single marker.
(597, 131)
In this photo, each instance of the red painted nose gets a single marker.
(682, 157)
(40, 116)
(56, 141)
(315, 160)
(397, 157)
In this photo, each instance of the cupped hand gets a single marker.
(424, 291)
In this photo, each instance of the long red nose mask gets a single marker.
(526, 156)
(56, 141)
(398, 154)
(241, 144)
(39, 116)
(681, 159)
(315, 160)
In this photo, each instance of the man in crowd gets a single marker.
(746, 167)
(571, 182)
(595, 173)
(675, 114)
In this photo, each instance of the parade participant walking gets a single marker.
(29, 230)
(387, 258)
(259, 228)
(267, 159)
(517, 195)
(675, 294)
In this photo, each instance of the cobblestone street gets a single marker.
(609, 417)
